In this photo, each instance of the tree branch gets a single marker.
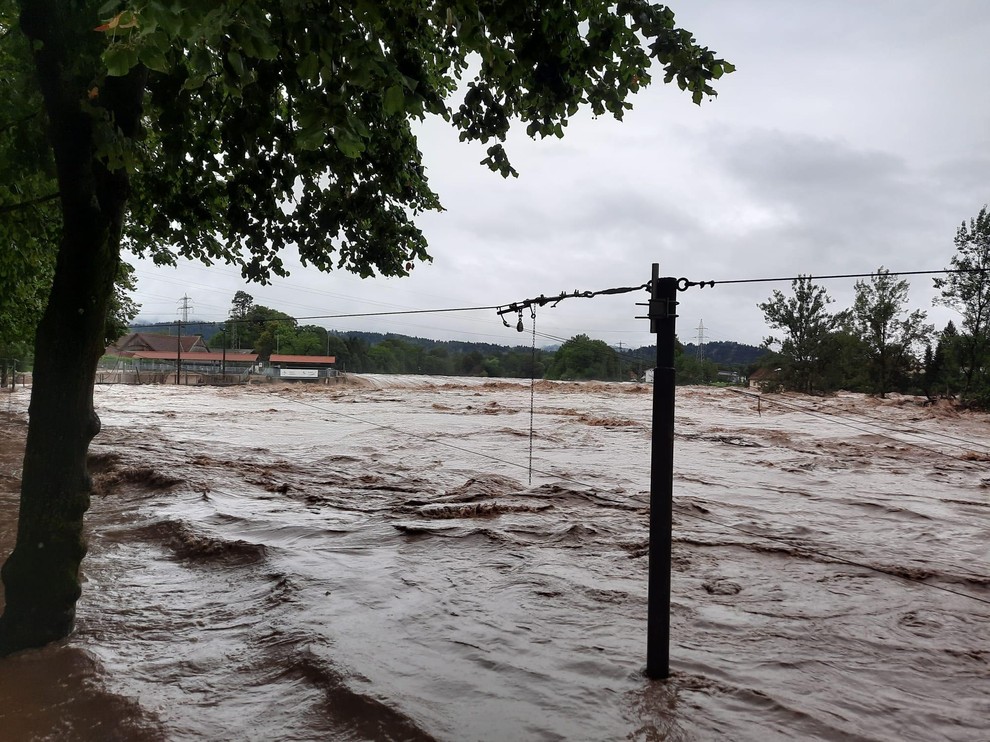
(7, 126)
(7, 208)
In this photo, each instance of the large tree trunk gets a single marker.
(41, 576)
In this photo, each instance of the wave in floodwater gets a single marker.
(373, 562)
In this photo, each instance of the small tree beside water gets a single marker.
(967, 290)
(806, 324)
(584, 358)
(891, 337)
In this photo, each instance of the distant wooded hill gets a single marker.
(724, 353)
(209, 329)
(376, 352)
(728, 353)
(206, 329)
(452, 346)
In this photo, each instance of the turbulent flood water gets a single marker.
(371, 562)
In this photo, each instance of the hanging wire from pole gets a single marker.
(532, 392)
(542, 301)
(517, 308)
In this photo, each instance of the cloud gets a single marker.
(853, 135)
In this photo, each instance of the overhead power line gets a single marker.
(237, 320)
(501, 309)
(402, 311)
(835, 276)
(542, 300)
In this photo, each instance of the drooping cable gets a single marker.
(532, 392)
(542, 301)
(238, 320)
(839, 276)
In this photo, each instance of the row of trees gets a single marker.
(875, 343)
(878, 345)
(265, 331)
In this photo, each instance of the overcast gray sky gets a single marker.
(852, 135)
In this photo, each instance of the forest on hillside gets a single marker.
(266, 330)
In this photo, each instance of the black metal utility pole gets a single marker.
(662, 315)
(178, 351)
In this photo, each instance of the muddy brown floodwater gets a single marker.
(371, 562)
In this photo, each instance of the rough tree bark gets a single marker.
(41, 576)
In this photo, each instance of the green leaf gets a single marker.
(394, 100)
(349, 143)
(358, 127)
(153, 58)
(311, 137)
(194, 82)
(236, 62)
(257, 45)
(308, 68)
(119, 59)
(168, 19)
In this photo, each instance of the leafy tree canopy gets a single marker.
(806, 323)
(232, 130)
(241, 304)
(28, 214)
(584, 358)
(891, 336)
(30, 223)
(967, 290)
(289, 124)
